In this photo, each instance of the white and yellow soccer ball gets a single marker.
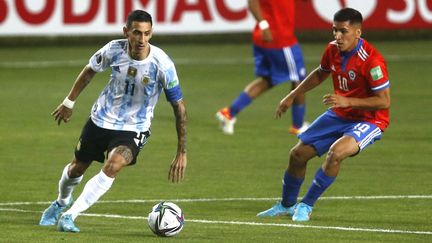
(166, 219)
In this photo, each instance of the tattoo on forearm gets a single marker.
(84, 84)
(181, 124)
(82, 81)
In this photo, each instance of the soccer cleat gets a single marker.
(226, 122)
(52, 213)
(66, 224)
(302, 212)
(277, 210)
(297, 131)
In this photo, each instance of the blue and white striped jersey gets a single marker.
(128, 100)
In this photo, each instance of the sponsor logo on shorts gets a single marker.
(78, 146)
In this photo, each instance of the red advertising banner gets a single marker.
(377, 14)
(101, 17)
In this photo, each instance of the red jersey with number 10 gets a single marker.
(280, 16)
(358, 73)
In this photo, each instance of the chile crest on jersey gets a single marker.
(352, 75)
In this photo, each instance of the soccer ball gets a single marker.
(166, 219)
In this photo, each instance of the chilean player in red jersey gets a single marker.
(278, 59)
(358, 113)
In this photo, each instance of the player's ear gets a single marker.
(125, 32)
(151, 33)
(358, 33)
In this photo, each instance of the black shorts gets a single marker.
(95, 143)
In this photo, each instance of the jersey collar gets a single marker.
(146, 59)
(346, 56)
(353, 51)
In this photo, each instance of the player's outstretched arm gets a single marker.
(64, 111)
(178, 165)
(316, 77)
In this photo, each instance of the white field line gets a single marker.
(201, 221)
(193, 200)
(189, 61)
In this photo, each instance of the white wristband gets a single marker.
(68, 103)
(263, 24)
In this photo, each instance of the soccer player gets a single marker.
(358, 115)
(120, 119)
(278, 59)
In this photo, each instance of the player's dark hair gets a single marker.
(348, 14)
(139, 16)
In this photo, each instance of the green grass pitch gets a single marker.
(382, 195)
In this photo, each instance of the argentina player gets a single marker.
(119, 124)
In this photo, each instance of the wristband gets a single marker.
(68, 103)
(263, 24)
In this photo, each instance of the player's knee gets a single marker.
(334, 157)
(121, 154)
(118, 158)
(77, 168)
(297, 158)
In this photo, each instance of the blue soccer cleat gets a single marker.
(52, 213)
(302, 212)
(277, 210)
(66, 224)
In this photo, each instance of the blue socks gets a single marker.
(290, 189)
(298, 112)
(320, 183)
(243, 100)
(240, 103)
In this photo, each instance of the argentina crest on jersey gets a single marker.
(352, 75)
(145, 80)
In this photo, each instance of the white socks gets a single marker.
(66, 187)
(93, 190)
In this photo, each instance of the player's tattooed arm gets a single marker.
(63, 113)
(81, 82)
(178, 165)
(181, 124)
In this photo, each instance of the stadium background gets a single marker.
(191, 19)
(382, 195)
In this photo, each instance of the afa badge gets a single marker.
(145, 80)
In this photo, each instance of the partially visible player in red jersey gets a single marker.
(278, 59)
(358, 113)
(275, 23)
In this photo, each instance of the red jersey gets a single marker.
(357, 74)
(280, 16)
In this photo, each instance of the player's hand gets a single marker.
(284, 104)
(267, 35)
(62, 113)
(178, 168)
(336, 101)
